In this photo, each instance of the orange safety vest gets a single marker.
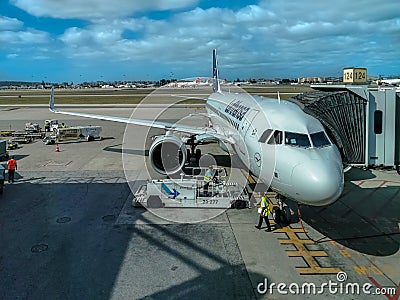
(12, 164)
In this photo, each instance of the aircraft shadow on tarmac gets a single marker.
(363, 219)
(63, 241)
(81, 140)
(118, 149)
(229, 280)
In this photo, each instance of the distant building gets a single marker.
(312, 80)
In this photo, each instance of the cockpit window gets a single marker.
(319, 139)
(265, 135)
(276, 138)
(297, 139)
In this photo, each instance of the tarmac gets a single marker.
(68, 229)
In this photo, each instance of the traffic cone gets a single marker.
(57, 148)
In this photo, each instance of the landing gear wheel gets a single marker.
(154, 202)
(281, 216)
(276, 214)
(239, 204)
(287, 214)
(188, 155)
(198, 154)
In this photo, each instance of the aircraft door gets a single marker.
(253, 146)
(246, 130)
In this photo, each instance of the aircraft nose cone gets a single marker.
(318, 182)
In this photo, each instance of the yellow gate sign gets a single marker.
(355, 75)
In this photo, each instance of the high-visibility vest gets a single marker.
(207, 176)
(12, 164)
(265, 205)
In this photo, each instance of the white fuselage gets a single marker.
(300, 163)
(388, 81)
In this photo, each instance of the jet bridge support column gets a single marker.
(382, 127)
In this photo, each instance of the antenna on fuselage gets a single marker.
(279, 98)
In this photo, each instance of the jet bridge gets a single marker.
(364, 122)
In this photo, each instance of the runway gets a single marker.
(68, 230)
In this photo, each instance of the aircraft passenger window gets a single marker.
(276, 138)
(319, 139)
(297, 139)
(265, 135)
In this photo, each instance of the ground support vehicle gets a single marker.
(88, 133)
(189, 192)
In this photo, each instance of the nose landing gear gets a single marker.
(281, 214)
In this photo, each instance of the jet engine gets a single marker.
(167, 154)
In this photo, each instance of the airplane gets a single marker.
(189, 83)
(388, 81)
(284, 147)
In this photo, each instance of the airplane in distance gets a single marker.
(395, 81)
(284, 147)
(190, 83)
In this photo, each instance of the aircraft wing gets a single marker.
(148, 123)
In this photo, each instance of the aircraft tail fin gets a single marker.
(51, 103)
(216, 86)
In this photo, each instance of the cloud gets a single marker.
(272, 38)
(7, 23)
(29, 37)
(12, 55)
(97, 9)
(20, 42)
(260, 38)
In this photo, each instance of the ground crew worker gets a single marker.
(11, 146)
(208, 177)
(11, 166)
(63, 125)
(264, 212)
(46, 126)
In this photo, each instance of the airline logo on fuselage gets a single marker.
(237, 110)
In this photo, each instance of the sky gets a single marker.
(90, 40)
